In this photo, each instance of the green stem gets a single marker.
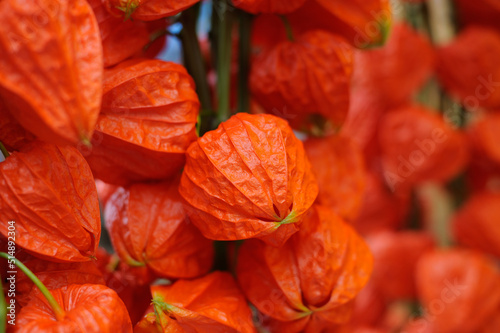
(288, 28)
(224, 45)
(58, 311)
(245, 27)
(193, 57)
(3, 309)
(4, 150)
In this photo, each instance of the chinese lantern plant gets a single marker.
(49, 192)
(249, 178)
(87, 307)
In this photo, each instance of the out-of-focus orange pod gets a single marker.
(396, 255)
(51, 64)
(88, 308)
(485, 135)
(209, 304)
(468, 68)
(459, 290)
(104, 191)
(268, 6)
(249, 178)
(395, 72)
(147, 10)
(479, 12)
(339, 168)
(50, 194)
(484, 169)
(381, 209)
(147, 121)
(361, 22)
(307, 76)
(417, 145)
(55, 275)
(12, 135)
(308, 284)
(121, 39)
(476, 224)
(148, 227)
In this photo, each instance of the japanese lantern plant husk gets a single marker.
(71, 308)
(50, 193)
(212, 303)
(147, 121)
(54, 92)
(338, 165)
(249, 178)
(307, 76)
(310, 282)
(149, 227)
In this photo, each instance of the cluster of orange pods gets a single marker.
(317, 166)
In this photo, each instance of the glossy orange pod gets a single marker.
(484, 135)
(308, 284)
(147, 121)
(339, 168)
(307, 76)
(268, 6)
(121, 39)
(249, 178)
(459, 290)
(476, 225)
(210, 304)
(147, 10)
(51, 64)
(395, 257)
(148, 227)
(50, 193)
(88, 308)
(361, 22)
(395, 72)
(417, 145)
(468, 68)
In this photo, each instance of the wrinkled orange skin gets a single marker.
(209, 304)
(381, 209)
(308, 76)
(417, 145)
(340, 171)
(50, 193)
(320, 269)
(147, 10)
(148, 227)
(12, 135)
(480, 12)
(476, 225)
(468, 68)
(249, 178)
(467, 285)
(89, 308)
(358, 21)
(52, 72)
(396, 255)
(268, 6)
(395, 72)
(55, 275)
(121, 39)
(147, 121)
